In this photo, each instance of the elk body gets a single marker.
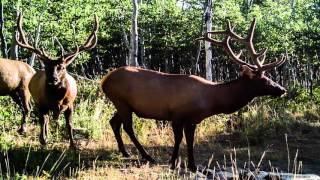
(14, 80)
(185, 100)
(53, 89)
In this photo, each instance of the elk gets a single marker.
(186, 100)
(53, 89)
(14, 80)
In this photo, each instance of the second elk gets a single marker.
(186, 100)
(53, 89)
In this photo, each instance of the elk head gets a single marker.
(55, 68)
(254, 75)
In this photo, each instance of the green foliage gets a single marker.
(6, 142)
(271, 118)
(167, 27)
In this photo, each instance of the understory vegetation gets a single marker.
(259, 128)
(275, 135)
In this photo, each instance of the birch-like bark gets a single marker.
(142, 49)
(14, 46)
(207, 45)
(2, 36)
(36, 41)
(127, 45)
(133, 60)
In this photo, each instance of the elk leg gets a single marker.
(189, 130)
(178, 134)
(68, 117)
(44, 120)
(26, 110)
(20, 99)
(115, 123)
(127, 126)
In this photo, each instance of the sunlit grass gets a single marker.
(260, 126)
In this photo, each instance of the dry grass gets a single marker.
(259, 128)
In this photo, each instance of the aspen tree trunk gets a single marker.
(14, 46)
(142, 49)
(207, 45)
(133, 60)
(36, 40)
(2, 36)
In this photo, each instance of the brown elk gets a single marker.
(53, 89)
(185, 100)
(14, 80)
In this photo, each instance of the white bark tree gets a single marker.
(133, 60)
(208, 14)
(2, 36)
(14, 53)
(36, 41)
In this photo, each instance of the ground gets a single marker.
(254, 135)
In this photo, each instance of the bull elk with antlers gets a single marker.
(185, 100)
(53, 89)
(14, 81)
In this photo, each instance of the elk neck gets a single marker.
(230, 96)
(58, 91)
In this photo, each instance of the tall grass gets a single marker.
(262, 121)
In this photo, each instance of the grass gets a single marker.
(221, 140)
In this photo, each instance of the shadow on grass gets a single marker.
(56, 161)
(303, 144)
(48, 162)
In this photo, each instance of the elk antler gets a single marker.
(90, 43)
(68, 58)
(41, 53)
(257, 58)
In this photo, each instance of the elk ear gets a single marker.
(247, 71)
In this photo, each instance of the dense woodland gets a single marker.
(167, 33)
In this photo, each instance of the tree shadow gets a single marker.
(303, 144)
(34, 161)
(56, 160)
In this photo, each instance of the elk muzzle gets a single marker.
(277, 90)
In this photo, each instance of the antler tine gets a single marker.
(262, 56)
(90, 43)
(249, 43)
(274, 64)
(257, 58)
(92, 40)
(41, 53)
(251, 30)
(61, 47)
(235, 58)
(226, 43)
(231, 33)
(21, 32)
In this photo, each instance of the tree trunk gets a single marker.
(36, 40)
(133, 60)
(142, 49)
(208, 22)
(126, 44)
(14, 46)
(2, 36)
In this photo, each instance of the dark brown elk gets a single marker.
(14, 80)
(185, 100)
(53, 89)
